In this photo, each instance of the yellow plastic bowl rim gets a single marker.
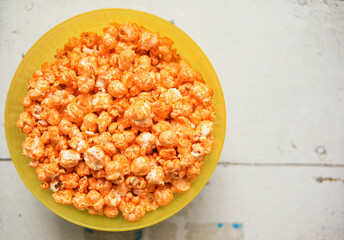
(219, 140)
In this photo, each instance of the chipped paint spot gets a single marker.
(237, 225)
(321, 151)
(166, 229)
(90, 234)
(302, 2)
(328, 179)
(293, 145)
(89, 230)
(211, 230)
(327, 2)
(138, 235)
(29, 7)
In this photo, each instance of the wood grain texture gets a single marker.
(280, 64)
(271, 203)
(281, 67)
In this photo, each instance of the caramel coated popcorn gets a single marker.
(118, 123)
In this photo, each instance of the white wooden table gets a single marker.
(281, 66)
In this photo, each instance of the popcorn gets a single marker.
(110, 211)
(69, 158)
(163, 196)
(64, 196)
(156, 176)
(119, 122)
(168, 139)
(149, 202)
(140, 166)
(112, 199)
(80, 201)
(103, 121)
(33, 148)
(70, 180)
(95, 158)
(117, 89)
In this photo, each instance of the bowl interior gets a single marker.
(45, 49)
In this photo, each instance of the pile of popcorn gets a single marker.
(119, 122)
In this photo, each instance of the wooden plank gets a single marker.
(265, 202)
(280, 64)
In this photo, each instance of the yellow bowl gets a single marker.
(45, 49)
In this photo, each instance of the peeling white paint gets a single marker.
(281, 67)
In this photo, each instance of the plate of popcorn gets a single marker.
(115, 119)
